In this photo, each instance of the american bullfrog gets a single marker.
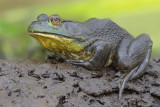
(94, 44)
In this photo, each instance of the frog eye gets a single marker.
(55, 20)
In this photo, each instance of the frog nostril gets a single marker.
(35, 25)
(29, 29)
(31, 26)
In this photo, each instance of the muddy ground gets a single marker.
(57, 84)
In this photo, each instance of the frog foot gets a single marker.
(80, 63)
(126, 77)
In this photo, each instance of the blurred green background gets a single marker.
(136, 16)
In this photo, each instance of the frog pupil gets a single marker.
(56, 19)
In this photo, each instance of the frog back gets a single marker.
(105, 29)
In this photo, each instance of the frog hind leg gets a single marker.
(98, 60)
(133, 55)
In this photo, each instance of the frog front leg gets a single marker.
(133, 56)
(98, 60)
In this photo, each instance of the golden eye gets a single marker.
(55, 20)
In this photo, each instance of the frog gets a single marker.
(94, 44)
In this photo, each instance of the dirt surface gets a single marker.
(55, 84)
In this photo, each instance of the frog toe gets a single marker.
(74, 61)
(79, 63)
(125, 79)
(87, 65)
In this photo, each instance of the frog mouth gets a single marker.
(48, 35)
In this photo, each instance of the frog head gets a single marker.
(56, 34)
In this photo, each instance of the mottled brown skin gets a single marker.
(97, 43)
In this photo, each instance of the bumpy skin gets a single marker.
(94, 44)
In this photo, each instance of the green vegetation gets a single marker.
(136, 16)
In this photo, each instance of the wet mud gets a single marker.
(56, 84)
